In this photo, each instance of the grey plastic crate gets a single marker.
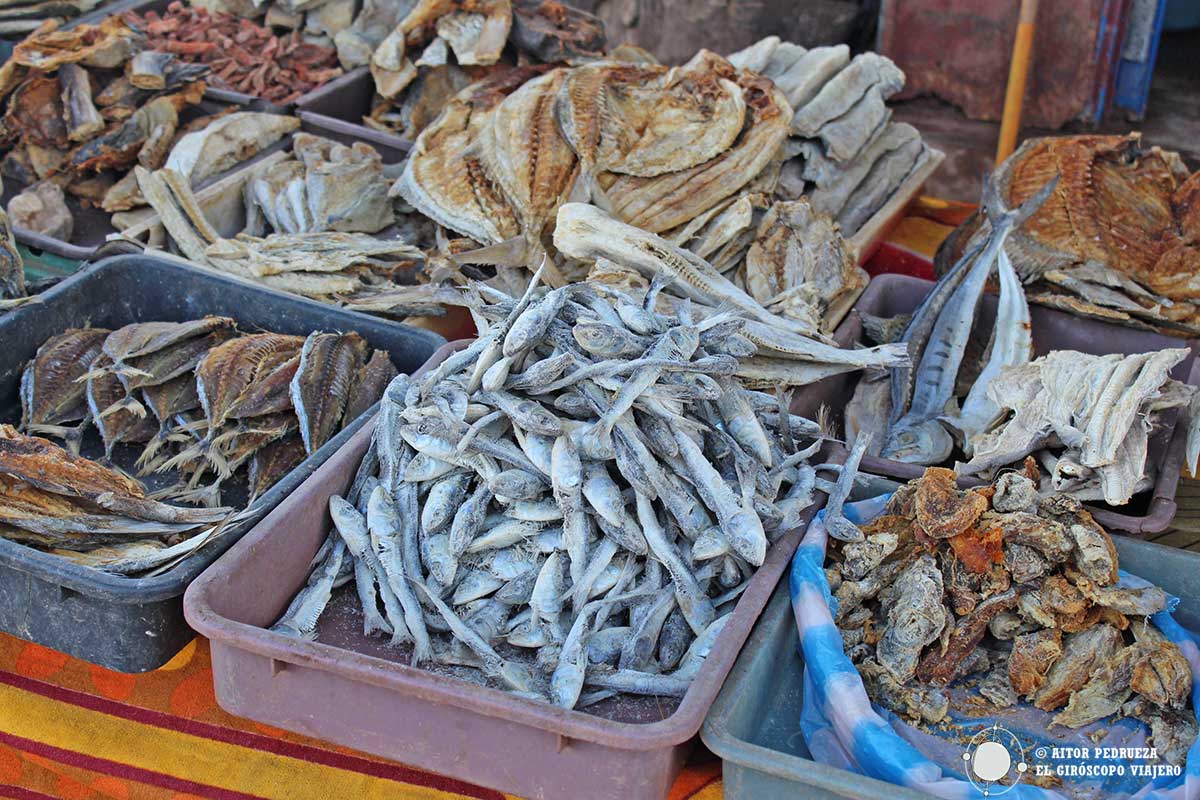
(137, 624)
(754, 725)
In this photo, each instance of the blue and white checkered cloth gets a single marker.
(843, 729)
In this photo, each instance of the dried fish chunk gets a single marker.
(51, 392)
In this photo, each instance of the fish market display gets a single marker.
(1088, 418)
(85, 106)
(22, 17)
(201, 398)
(244, 56)
(420, 59)
(1117, 239)
(354, 270)
(696, 154)
(570, 506)
(1002, 597)
(76, 114)
(57, 501)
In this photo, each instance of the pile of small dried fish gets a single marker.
(420, 59)
(1016, 594)
(571, 505)
(1116, 241)
(20, 17)
(84, 511)
(244, 56)
(202, 398)
(354, 270)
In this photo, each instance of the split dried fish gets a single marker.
(530, 532)
(143, 385)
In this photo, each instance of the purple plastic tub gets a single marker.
(358, 692)
(890, 295)
(344, 102)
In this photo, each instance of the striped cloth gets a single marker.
(842, 728)
(76, 731)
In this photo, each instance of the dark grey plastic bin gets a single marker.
(137, 624)
(754, 725)
(890, 295)
(359, 692)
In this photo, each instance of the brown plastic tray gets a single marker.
(889, 295)
(358, 692)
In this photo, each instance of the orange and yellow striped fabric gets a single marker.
(76, 731)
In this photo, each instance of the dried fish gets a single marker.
(549, 519)
(1072, 649)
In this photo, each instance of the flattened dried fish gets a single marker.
(323, 383)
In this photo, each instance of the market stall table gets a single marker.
(69, 729)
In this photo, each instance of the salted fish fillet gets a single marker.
(226, 142)
(845, 89)
(1120, 402)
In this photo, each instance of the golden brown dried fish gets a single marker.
(369, 383)
(176, 359)
(222, 376)
(667, 201)
(117, 415)
(532, 162)
(648, 121)
(445, 177)
(51, 468)
(273, 461)
(322, 384)
(126, 345)
(51, 393)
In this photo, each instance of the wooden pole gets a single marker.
(1018, 71)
